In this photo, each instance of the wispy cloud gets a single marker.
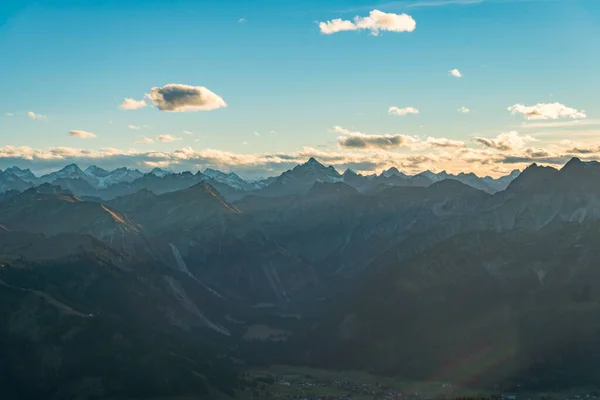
(132, 104)
(444, 142)
(402, 111)
(433, 3)
(145, 140)
(33, 115)
(9, 114)
(407, 4)
(134, 127)
(167, 138)
(561, 124)
(188, 132)
(464, 110)
(82, 134)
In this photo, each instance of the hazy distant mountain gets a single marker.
(24, 174)
(9, 181)
(100, 183)
(97, 172)
(159, 172)
(501, 183)
(393, 172)
(52, 210)
(71, 171)
(231, 179)
(300, 179)
(102, 178)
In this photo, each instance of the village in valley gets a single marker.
(299, 383)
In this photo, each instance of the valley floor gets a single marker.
(295, 382)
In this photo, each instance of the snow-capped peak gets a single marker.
(71, 171)
(24, 174)
(232, 179)
(159, 172)
(98, 172)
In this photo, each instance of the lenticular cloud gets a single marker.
(181, 98)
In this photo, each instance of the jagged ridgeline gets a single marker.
(123, 284)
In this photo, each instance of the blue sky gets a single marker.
(287, 85)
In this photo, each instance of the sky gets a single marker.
(484, 86)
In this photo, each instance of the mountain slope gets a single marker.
(481, 308)
(51, 210)
(300, 179)
(182, 209)
(203, 235)
(9, 181)
(62, 336)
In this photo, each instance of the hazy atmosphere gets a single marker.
(483, 86)
(299, 200)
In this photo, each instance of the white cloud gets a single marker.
(180, 98)
(402, 111)
(464, 110)
(33, 115)
(257, 134)
(444, 142)
(343, 131)
(133, 127)
(145, 140)
(167, 138)
(245, 143)
(132, 104)
(82, 134)
(376, 22)
(241, 20)
(455, 73)
(506, 141)
(188, 132)
(9, 114)
(545, 111)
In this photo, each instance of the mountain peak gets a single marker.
(72, 168)
(533, 178)
(313, 160)
(24, 174)
(159, 172)
(573, 162)
(576, 162)
(96, 171)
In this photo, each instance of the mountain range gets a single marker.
(479, 281)
(95, 181)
